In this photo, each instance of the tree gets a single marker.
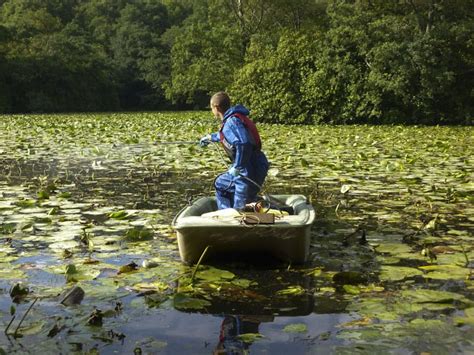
(4, 70)
(374, 64)
(53, 66)
(139, 54)
(205, 54)
(270, 82)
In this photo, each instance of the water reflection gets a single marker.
(233, 332)
(244, 310)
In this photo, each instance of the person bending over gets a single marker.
(241, 141)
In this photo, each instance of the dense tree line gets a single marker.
(291, 61)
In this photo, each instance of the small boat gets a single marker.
(284, 236)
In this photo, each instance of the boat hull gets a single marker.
(287, 239)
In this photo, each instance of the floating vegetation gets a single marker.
(86, 203)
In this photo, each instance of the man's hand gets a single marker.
(204, 141)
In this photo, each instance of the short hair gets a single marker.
(222, 100)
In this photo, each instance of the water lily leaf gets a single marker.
(43, 195)
(181, 301)
(394, 249)
(249, 338)
(445, 272)
(243, 283)
(273, 172)
(25, 203)
(64, 194)
(468, 317)
(7, 228)
(351, 289)
(292, 290)
(327, 290)
(397, 273)
(150, 286)
(431, 225)
(315, 272)
(432, 296)
(119, 215)
(212, 274)
(345, 188)
(45, 220)
(296, 328)
(387, 259)
(32, 328)
(7, 272)
(374, 308)
(138, 234)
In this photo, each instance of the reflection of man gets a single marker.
(231, 328)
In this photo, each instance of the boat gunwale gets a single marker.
(212, 223)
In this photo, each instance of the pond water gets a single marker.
(85, 199)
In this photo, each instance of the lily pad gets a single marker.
(212, 274)
(296, 328)
(445, 272)
(249, 338)
(291, 291)
(397, 273)
(468, 317)
(182, 301)
(394, 249)
(432, 296)
(138, 234)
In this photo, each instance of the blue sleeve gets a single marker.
(215, 137)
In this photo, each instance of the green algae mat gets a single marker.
(89, 262)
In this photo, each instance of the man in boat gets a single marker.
(241, 141)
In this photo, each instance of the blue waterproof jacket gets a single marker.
(246, 156)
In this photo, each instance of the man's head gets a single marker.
(220, 103)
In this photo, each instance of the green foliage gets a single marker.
(371, 66)
(300, 61)
(271, 80)
(205, 53)
(139, 54)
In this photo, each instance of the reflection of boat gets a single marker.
(287, 238)
(233, 328)
(263, 298)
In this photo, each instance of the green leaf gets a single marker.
(212, 274)
(296, 328)
(138, 234)
(249, 338)
(118, 215)
(292, 291)
(181, 301)
(445, 272)
(397, 273)
(345, 188)
(432, 296)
